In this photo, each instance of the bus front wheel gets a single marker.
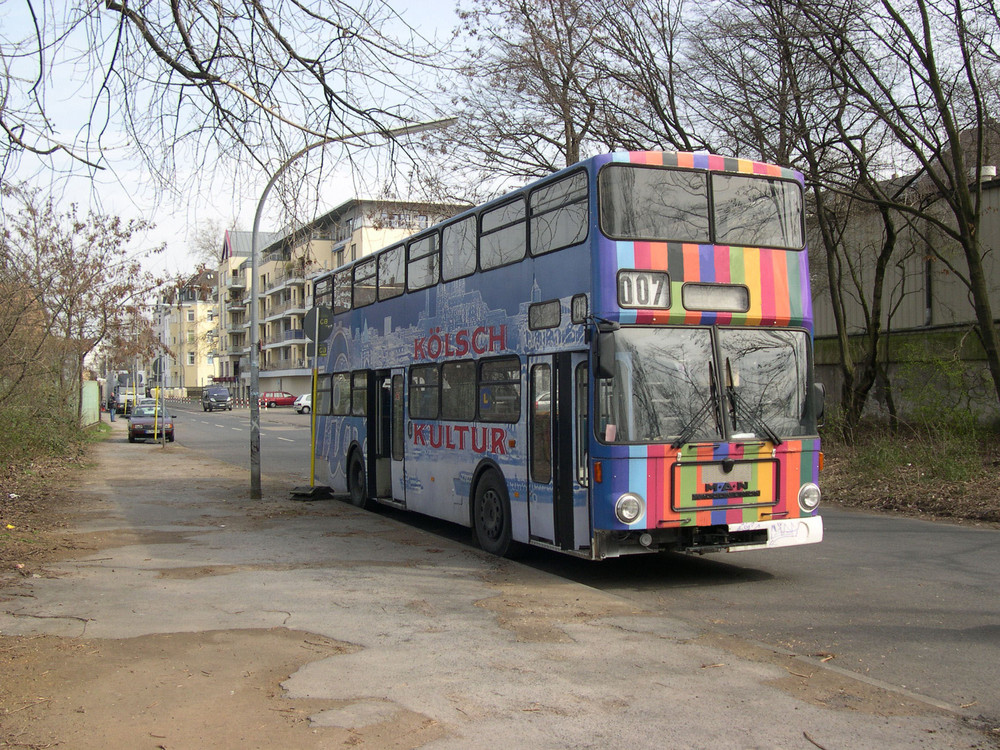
(356, 482)
(491, 515)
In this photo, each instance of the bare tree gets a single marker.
(650, 76)
(192, 83)
(925, 71)
(206, 245)
(527, 97)
(77, 278)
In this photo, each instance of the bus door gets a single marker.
(385, 430)
(558, 510)
(397, 438)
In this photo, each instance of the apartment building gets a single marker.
(185, 319)
(287, 265)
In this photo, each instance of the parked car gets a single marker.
(215, 397)
(161, 407)
(303, 404)
(147, 422)
(276, 398)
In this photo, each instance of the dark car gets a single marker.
(277, 398)
(149, 422)
(214, 397)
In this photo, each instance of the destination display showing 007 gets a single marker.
(643, 289)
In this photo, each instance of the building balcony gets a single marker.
(288, 307)
(295, 275)
(236, 282)
(284, 338)
(288, 363)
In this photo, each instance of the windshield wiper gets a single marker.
(741, 411)
(695, 422)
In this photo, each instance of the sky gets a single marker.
(125, 190)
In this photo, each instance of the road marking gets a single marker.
(238, 429)
(220, 425)
(287, 440)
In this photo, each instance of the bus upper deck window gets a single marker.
(342, 291)
(755, 211)
(423, 263)
(653, 203)
(364, 283)
(458, 249)
(559, 216)
(390, 273)
(503, 236)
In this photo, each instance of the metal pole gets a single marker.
(255, 489)
(312, 398)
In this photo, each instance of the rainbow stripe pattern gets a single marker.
(682, 487)
(778, 280)
(671, 481)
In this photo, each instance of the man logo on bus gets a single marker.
(481, 340)
(726, 486)
(724, 490)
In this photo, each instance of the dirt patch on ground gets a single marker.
(213, 689)
(153, 692)
(817, 685)
(535, 610)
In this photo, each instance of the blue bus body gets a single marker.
(480, 399)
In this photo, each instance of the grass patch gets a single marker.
(948, 470)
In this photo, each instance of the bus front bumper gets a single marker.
(780, 533)
(737, 537)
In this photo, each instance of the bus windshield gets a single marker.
(663, 380)
(703, 384)
(765, 374)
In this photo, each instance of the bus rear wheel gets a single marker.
(356, 482)
(491, 515)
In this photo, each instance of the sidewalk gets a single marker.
(193, 617)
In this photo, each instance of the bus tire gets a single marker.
(491, 515)
(356, 484)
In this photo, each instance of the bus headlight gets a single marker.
(809, 496)
(629, 508)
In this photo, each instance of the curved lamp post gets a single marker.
(255, 490)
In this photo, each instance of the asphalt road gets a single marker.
(906, 603)
(225, 435)
(910, 604)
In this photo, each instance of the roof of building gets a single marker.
(237, 244)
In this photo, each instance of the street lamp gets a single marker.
(255, 490)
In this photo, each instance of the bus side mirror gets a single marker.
(605, 360)
(819, 402)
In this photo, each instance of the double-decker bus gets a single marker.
(611, 360)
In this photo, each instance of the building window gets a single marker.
(190, 316)
(190, 358)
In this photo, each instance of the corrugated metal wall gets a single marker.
(920, 290)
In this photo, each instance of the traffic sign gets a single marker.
(325, 315)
